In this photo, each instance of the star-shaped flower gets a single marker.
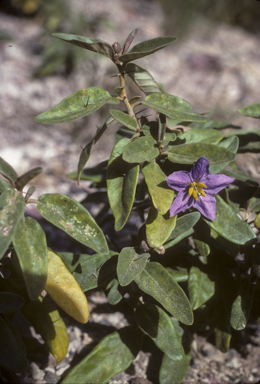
(197, 188)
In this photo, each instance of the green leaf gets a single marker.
(10, 302)
(174, 371)
(179, 275)
(213, 124)
(155, 322)
(79, 104)
(70, 216)
(147, 48)
(182, 229)
(86, 151)
(11, 210)
(143, 79)
(122, 180)
(162, 196)
(95, 270)
(173, 107)
(71, 260)
(242, 305)
(4, 185)
(129, 40)
(228, 225)
(201, 288)
(124, 119)
(7, 171)
(26, 177)
(94, 45)
(242, 176)
(158, 228)
(231, 143)
(189, 153)
(31, 249)
(209, 136)
(130, 264)
(112, 355)
(252, 110)
(46, 320)
(158, 283)
(141, 149)
(114, 295)
(13, 354)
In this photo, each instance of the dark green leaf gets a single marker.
(143, 79)
(114, 295)
(70, 216)
(158, 228)
(112, 355)
(26, 177)
(209, 136)
(183, 228)
(241, 306)
(79, 104)
(242, 176)
(179, 275)
(124, 119)
(252, 110)
(122, 179)
(11, 210)
(71, 260)
(172, 106)
(147, 48)
(174, 371)
(189, 153)
(13, 354)
(86, 151)
(231, 144)
(31, 249)
(158, 283)
(129, 40)
(201, 287)
(213, 124)
(94, 45)
(90, 273)
(155, 322)
(10, 302)
(7, 171)
(141, 149)
(130, 264)
(162, 197)
(228, 225)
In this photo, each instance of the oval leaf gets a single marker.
(201, 288)
(46, 320)
(124, 119)
(31, 249)
(10, 302)
(143, 79)
(147, 48)
(122, 180)
(241, 306)
(94, 45)
(13, 355)
(174, 371)
(231, 143)
(252, 110)
(129, 40)
(130, 264)
(26, 177)
(7, 171)
(11, 210)
(140, 150)
(184, 227)
(228, 224)
(158, 283)
(112, 355)
(162, 196)
(64, 289)
(155, 322)
(158, 228)
(70, 216)
(173, 107)
(189, 153)
(210, 136)
(79, 104)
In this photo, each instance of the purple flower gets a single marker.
(197, 188)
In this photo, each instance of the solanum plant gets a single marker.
(174, 181)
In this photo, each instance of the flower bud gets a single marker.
(117, 47)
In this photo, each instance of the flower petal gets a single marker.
(178, 180)
(181, 202)
(216, 183)
(199, 169)
(206, 205)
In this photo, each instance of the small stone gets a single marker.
(61, 368)
(37, 373)
(51, 378)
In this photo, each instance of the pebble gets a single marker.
(37, 373)
(51, 378)
(61, 368)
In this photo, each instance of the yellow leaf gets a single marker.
(47, 322)
(64, 289)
